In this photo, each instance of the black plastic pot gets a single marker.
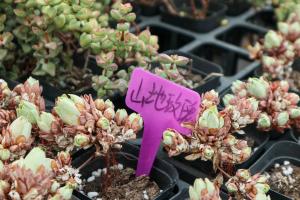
(241, 36)
(260, 140)
(203, 68)
(296, 136)
(264, 18)
(236, 7)
(180, 191)
(164, 174)
(230, 61)
(278, 153)
(149, 10)
(216, 15)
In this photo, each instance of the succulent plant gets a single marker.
(275, 107)
(47, 30)
(279, 49)
(35, 177)
(204, 190)
(211, 137)
(16, 139)
(80, 122)
(277, 54)
(245, 186)
(284, 8)
(30, 91)
(118, 51)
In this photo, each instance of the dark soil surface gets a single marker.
(284, 181)
(121, 185)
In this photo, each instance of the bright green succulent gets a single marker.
(47, 31)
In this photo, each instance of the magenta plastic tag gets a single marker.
(162, 104)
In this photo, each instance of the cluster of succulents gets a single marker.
(279, 49)
(47, 31)
(42, 38)
(80, 122)
(241, 186)
(35, 176)
(245, 186)
(211, 138)
(50, 33)
(276, 53)
(118, 50)
(18, 114)
(74, 123)
(38, 177)
(277, 108)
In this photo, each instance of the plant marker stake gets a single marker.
(162, 104)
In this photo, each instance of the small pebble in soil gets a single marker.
(92, 194)
(90, 179)
(146, 197)
(286, 162)
(120, 166)
(96, 173)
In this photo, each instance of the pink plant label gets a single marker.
(162, 104)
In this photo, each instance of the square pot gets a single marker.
(241, 36)
(164, 174)
(278, 153)
(217, 14)
(230, 61)
(264, 18)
